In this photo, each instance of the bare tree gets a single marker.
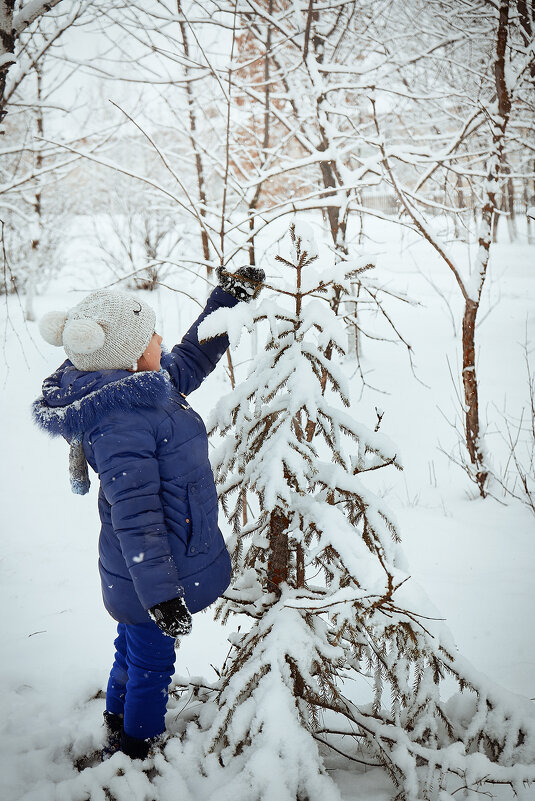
(499, 85)
(284, 126)
(37, 176)
(15, 20)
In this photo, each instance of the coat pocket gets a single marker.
(203, 514)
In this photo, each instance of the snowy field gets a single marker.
(475, 558)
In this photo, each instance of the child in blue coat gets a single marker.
(122, 406)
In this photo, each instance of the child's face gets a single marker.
(150, 359)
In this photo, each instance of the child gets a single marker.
(122, 406)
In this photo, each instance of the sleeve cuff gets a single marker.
(221, 297)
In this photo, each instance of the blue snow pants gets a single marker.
(140, 677)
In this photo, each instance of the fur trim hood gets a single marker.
(74, 400)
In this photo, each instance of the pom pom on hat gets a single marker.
(80, 335)
(83, 335)
(51, 327)
(106, 331)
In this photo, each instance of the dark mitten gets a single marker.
(173, 617)
(243, 284)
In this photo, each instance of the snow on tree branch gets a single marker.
(320, 572)
(30, 12)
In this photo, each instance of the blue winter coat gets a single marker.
(157, 501)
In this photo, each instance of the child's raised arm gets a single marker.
(190, 362)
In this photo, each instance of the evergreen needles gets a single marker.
(319, 570)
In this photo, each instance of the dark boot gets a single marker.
(135, 748)
(114, 728)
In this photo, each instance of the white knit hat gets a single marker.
(105, 331)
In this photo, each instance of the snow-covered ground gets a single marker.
(475, 558)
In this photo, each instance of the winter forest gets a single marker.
(371, 427)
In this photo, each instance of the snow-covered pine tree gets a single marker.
(319, 571)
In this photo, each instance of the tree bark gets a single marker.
(471, 397)
(11, 26)
(266, 136)
(29, 312)
(300, 566)
(460, 220)
(7, 47)
(529, 200)
(510, 205)
(526, 16)
(485, 238)
(193, 139)
(329, 183)
(278, 560)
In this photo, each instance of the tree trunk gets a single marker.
(330, 184)
(7, 47)
(495, 226)
(278, 560)
(300, 566)
(35, 262)
(487, 224)
(526, 16)
(509, 191)
(511, 219)
(193, 139)
(529, 201)
(266, 135)
(460, 218)
(471, 394)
